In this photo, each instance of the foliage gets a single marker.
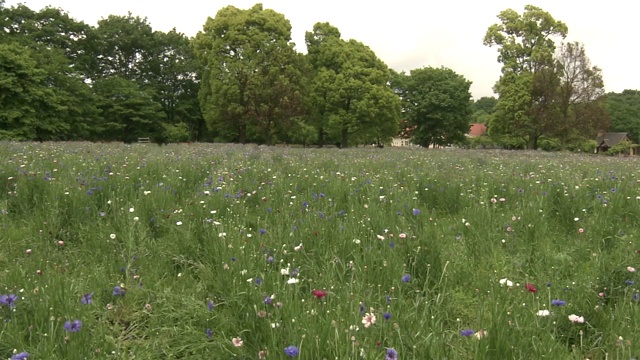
(527, 84)
(350, 97)
(438, 105)
(624, 147)
(624, 108)
(252, 80)
(581, 98)
(128, 112)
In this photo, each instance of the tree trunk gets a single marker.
(321, 137)
(532, 144)
(344, 143)
(242, 134)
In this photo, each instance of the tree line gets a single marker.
(240, 79)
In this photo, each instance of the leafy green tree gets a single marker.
(482, 109)
(438, 105)
(351, 96)
(128, 112)
(174, 79)
(51, 40)
(526, 48)
(120, 46)
(581, 99)
(252, 81)
(624, 108)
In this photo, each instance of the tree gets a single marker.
(581, 95)
(351, 97)
(438, 105)
(120, 46)
(128, 112)
(51, 41)
(526, 49)
(624, 108)
(482, 109)
(252, 81)
(174, 80)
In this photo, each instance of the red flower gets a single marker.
(319, 294)
(530, 287)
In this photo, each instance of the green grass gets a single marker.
(180, 226)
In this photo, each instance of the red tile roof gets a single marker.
(477, 130)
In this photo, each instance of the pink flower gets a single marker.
(576, 319)
(237, 342)
(581, 230)
(402, 236)
(368, 319)
(631, 269)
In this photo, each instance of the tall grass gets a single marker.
(208, 243)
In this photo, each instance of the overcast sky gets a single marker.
(410, 34)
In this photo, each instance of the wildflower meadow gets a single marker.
(203, 251)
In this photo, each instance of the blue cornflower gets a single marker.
(263, 231)
(267, 300)
(87, 298)
(629, 282)
(209, 333)
(73, 326)
(635, 297)
(416, 212)
(210, 305)
(557, 302)
(386, 316)
(258, 281)
(406, 278)
(20, 356)
(8, 300)
(233, 258)
(291, 351)
(392, 244)
(466, 332)
(118, 291)
(392, 354)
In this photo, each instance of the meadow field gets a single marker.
(203, 251)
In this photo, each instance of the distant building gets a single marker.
(476, 130)
(608, 140)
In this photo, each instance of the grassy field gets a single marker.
(202, 251)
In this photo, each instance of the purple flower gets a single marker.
(210, 305)
(406, 278)
(118, 291)
(467, 332)
(291, 351)
(263, 231)
(557, 302)
(392, 354)
(258, 281)
(392, 244)
(635, 297)
(9, 300)
(416, 212)
(73, 326)
(20, 356)
(386, 316)
(629, 282)
(270, 259)
(267, 300)
(209, 333)
(87, 298)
